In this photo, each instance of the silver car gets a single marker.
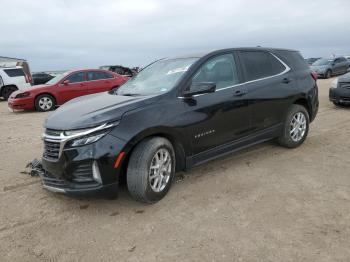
(327, 67)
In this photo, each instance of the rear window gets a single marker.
(259, 64)
(14, 72)
(293, 58)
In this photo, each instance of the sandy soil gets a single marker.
(266, 203)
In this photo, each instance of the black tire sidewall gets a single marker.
(286, 139)
(38, 108)
(149, 148)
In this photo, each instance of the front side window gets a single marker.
(76, 77)
(220, 70)
(159, 77)
(258, 64)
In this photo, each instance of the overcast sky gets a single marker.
(66, 34)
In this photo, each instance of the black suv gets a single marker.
(175, 114)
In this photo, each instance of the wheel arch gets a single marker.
(45, 93)
(175, 139)
(4, 86)
(305, 103)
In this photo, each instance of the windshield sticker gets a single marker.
(177, 70)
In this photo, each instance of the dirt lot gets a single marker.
(266, 203)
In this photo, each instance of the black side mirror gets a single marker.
(200, 88)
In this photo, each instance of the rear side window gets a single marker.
(96, 75)
(76, 77)
(14, 72)
(258, 64)
(293, 58)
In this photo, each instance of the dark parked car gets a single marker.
(41, 78)
(311, 60)
(339, 93)
(175, 114)
(120, 70)
(327, 67)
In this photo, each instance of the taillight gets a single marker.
(314, 75)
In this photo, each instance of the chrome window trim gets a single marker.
(287, 69)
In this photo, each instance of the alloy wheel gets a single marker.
(160, 170)
(298, 127)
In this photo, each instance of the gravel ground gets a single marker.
(265, 203)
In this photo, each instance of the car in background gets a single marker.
(339, 93)
(311, 60)
(121, 70)
(11, 80)
(327, 67)
(13, 62)
(41, 78)
(65, 87)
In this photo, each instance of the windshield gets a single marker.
(323, 61)
(158, 77)
(56, 79)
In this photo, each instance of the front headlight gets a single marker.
(22, 95)
(334, 83)
(87, 140)
(83, 137)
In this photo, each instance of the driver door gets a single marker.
(72, 86)
(222, 116)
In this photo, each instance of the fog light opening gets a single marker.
(96, 172)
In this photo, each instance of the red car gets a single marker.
(65, 87)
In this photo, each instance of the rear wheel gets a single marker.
(7, 91)
(44, 103)
(151, 170)
(296, 127)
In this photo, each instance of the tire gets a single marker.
(337, 103)
(7, 91)
(328, 74)
(139, 179)
(294, 139)
(44, 103)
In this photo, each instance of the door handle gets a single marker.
(239, 93)
(286, 80)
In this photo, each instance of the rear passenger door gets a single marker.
(99, 81)
(269, 81)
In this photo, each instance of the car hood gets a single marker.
(92, 110)
(344, 78)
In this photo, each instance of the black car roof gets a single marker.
(202, 54)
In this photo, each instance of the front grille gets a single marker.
(51, 150)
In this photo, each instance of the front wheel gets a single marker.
(296, 127)
(151, 169)
(328, 74)
(44, 103)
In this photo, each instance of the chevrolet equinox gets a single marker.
(175, 114)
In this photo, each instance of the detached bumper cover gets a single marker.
(339, 95)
